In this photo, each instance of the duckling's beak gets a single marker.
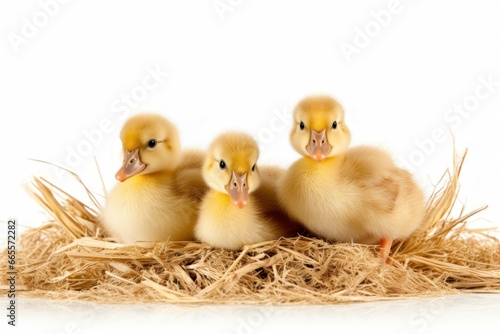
(132, 165)
(318, 147)
(237, 189)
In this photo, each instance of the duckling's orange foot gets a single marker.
(385, 249)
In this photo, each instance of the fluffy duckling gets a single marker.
(160, 186)
(348, 195)
(241, 205)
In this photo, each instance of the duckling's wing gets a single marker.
(373, 171)
(384, 191)
(188, 181)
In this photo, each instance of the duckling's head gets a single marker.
(231, 166)
(150, 145)
(319, 130)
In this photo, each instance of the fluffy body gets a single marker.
(346, 194)
(148, 210)
(159, 202)
(223, 224)
(359, 197)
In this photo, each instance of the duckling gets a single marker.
(241, 205)
(160, 186)
(346, 194)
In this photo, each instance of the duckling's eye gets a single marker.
(334, 125)
(302, 126)
(152, 143)
(222, 164)
(253, 168)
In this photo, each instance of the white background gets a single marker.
(237, 66)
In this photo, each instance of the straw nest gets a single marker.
(70, 258)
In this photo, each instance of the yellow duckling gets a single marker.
(241, 205)
(160, 187)
(348, 195)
